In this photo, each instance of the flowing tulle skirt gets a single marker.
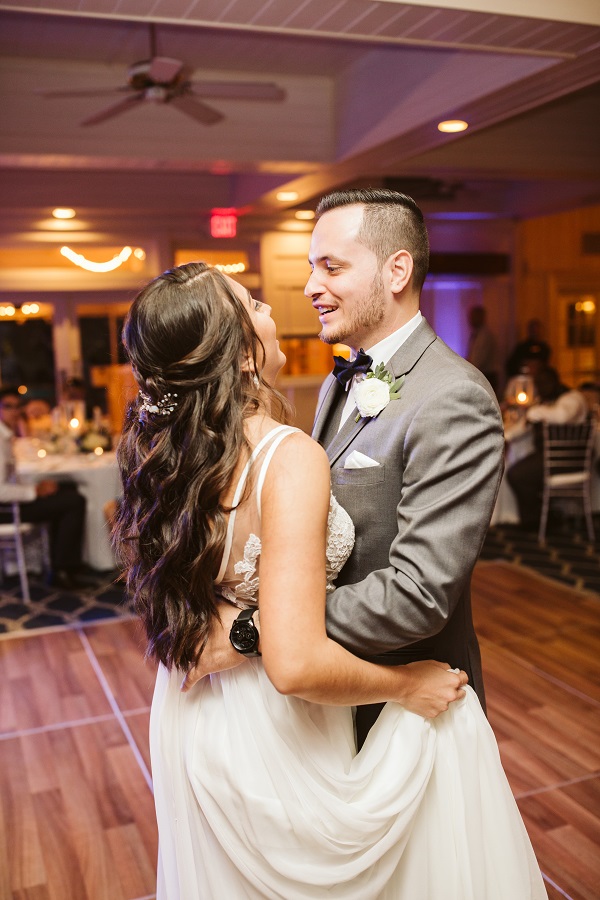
(261, 795)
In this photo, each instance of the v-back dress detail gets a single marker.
(261, 795)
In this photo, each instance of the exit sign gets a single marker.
(223, 223)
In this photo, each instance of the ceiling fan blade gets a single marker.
(163, 70)
(238, 90)
(92, 93)
(199, 111)
(115, 110)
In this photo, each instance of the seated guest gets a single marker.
(560, 406)
(57, 503)
(591, 392)
(533, 363)
(38, 417)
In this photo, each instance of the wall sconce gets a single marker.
(109, 266)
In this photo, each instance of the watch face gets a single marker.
(244, 636)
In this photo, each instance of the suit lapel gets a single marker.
(344, 437)
(405, 358)
(332, 393)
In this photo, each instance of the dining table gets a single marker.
(97, 479)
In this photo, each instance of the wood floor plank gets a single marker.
(546, 734)
(545, 624)
(136, 870)
(63, 839)
(45, 680)
(119, 648)
(565, 841)
(139, 723)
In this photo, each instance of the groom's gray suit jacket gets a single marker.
(421, 515)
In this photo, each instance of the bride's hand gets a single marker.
(430, 687)
(218, 653)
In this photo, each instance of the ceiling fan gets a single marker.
(164, 80)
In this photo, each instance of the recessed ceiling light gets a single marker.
(452, 125)
(305, 214)
(63, 213)
(285, 196)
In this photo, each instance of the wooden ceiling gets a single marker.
(365, 85)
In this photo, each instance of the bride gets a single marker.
(259, 789)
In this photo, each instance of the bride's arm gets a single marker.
(298, 656)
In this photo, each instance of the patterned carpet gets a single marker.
(104, 599)
(568, 557)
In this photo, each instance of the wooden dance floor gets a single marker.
(76, 814)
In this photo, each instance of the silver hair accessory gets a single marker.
(164, 407)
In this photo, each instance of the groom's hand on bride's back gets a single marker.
(218, 654)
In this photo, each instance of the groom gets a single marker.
(429, 463)
(420, 477)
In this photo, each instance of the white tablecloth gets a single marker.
(518, 445)
(97, 478)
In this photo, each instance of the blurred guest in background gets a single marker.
(591, 392)
(57, 503)
(559, 405)
(533, 363)
(482, 352)
(531, 347)
(38, 417)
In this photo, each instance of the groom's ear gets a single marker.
(401, 269)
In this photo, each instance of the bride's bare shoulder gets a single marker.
(296, 456)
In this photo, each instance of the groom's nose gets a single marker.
(313, 288)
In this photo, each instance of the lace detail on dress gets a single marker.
(248, 588)
(340, 540)
(244, 592)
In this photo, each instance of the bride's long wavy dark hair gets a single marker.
(186, 334)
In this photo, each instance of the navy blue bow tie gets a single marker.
(345, 370)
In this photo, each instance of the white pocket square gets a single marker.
(358, 460)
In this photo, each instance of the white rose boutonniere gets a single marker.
(373, 392)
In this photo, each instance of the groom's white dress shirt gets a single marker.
(381, 353)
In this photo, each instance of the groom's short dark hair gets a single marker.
(391, 221)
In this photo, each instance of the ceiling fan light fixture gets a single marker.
(157, 93)
(452, 126)
(64, 212)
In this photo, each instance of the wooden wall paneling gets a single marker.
(548, 258)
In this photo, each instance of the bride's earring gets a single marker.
(255, 381)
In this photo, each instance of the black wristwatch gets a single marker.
(244, 634)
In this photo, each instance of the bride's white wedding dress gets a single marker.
(263, 795)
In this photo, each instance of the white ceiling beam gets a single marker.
(581, 12)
